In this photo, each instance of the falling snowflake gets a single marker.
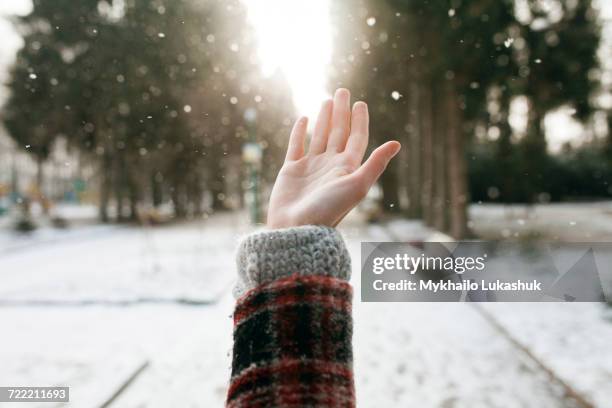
(396, 95)
(371, 21)
(33, 76)
(161, 35)
(187, 108)
(508, 42)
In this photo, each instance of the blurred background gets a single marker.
(140, 138)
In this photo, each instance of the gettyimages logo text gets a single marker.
(412, 264)
(496, 271)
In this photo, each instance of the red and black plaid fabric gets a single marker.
(292, 345)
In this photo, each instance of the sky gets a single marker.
(9, 39)
(295, 37)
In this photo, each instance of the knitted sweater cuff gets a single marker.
(264, 257)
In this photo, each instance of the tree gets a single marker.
(426, 69)
(557, 51)
(433, 69)
(152, 91)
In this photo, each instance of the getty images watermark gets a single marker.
(471, 271)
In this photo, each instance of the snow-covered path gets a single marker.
(437, 354)
(406, 354)
(89, 310)
(569, 222)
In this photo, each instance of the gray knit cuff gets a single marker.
(308, 250)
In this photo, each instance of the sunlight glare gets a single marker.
(295, 37)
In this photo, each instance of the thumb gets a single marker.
(371, 170)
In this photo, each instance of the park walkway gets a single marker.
(141, 318)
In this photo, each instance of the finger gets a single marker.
(358, 139)
(321, 130)
(340, 121)
(371, 170)
(295, 150)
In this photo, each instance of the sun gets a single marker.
(295, 37)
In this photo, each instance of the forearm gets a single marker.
(292, 323)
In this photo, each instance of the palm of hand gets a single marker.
(321, 186)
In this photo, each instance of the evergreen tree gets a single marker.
(425, 67)
(153, 91)
(429, 69)
(557, 51)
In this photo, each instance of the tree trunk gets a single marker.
(427, 162)
(608, 147)
(534, 154)
(504, 152)
(457, 175)
(157, 194)
(133, 203)
(105, 186)
(134, 195)
(195, 194)
(440, 161)
(40, 181)
(216, 185)
(119, 184)
(389, 185)
(415, 153)
(40, 176)
(177, 201)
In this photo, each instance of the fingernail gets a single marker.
(342, 92)
(398, 146)
(360, 105)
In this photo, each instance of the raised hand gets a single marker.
(321, 186)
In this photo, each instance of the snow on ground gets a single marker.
(406, 354)
(191, 261)
(90, 349)
(574, 340)
(195, 372)
(438, 355)
(86, 307)
(83, 217)
(586, 222)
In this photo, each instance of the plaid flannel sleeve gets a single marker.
(293, 327)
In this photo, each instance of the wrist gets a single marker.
(283, 220)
